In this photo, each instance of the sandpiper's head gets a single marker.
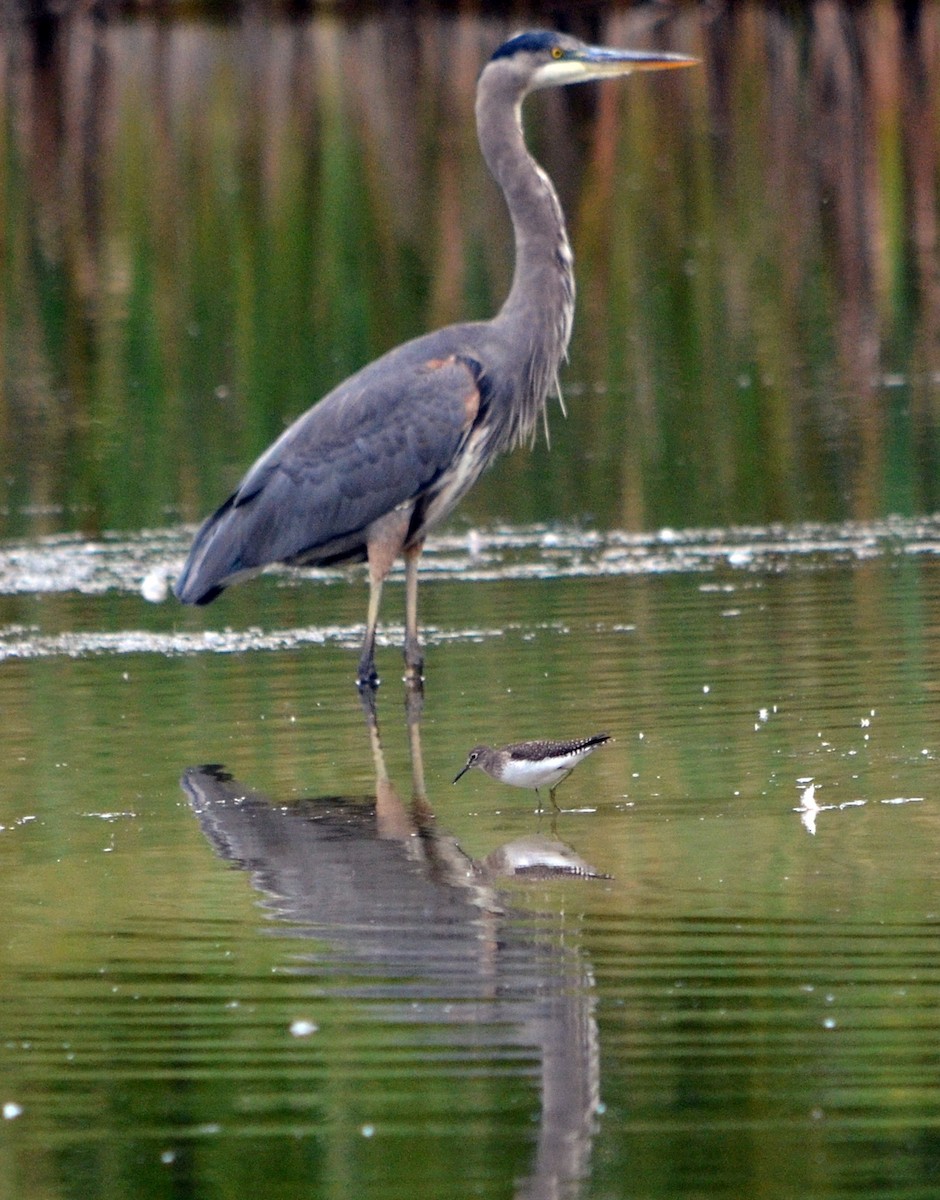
(474, 759)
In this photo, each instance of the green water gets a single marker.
(255, 942)
(356, 1006)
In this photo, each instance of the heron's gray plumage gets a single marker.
(313, 495)
(388, 453)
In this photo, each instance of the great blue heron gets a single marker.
(366, 472)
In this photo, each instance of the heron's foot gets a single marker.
(414, 664)
(414, 704)
(367, 696)
(367, 678)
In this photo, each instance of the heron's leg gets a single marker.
(414, 659)
(367, 676)
(384, 540)
(414, 704)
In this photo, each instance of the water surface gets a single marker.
(310, 966)
(255, 941)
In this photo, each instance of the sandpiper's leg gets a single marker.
(555, 789)
(414, 659)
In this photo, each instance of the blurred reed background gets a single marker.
(211, 213)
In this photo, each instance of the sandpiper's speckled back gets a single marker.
(538, 750)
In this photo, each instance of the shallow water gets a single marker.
(309, 970)
(255, 943)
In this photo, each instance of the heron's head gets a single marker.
(542, 59)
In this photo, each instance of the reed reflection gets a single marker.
(382, 899)
(190, 248)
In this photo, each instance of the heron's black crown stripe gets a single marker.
(529, 42)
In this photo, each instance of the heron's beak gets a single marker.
(599, 62)
(461, 772)
(602, 62)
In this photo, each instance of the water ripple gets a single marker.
(139, 562)
(144, 563)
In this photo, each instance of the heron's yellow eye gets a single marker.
(557, 52)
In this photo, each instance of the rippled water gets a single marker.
(319, 966)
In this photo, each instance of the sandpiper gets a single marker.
(533, 764)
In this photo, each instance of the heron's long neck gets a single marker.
(540, 305)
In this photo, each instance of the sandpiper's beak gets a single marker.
(602, 62)
(463, 770)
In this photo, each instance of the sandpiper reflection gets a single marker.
(394, 908)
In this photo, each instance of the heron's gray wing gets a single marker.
(377, 441)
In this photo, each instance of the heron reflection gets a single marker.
(380, 902)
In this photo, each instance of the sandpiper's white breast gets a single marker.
(540, 772)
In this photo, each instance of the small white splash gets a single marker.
(167, 1157)
(302, 1028)
(367, 1131)
(155, 586)
(474, 543)
(808, 807)
(808, 798)
(12, 1110)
